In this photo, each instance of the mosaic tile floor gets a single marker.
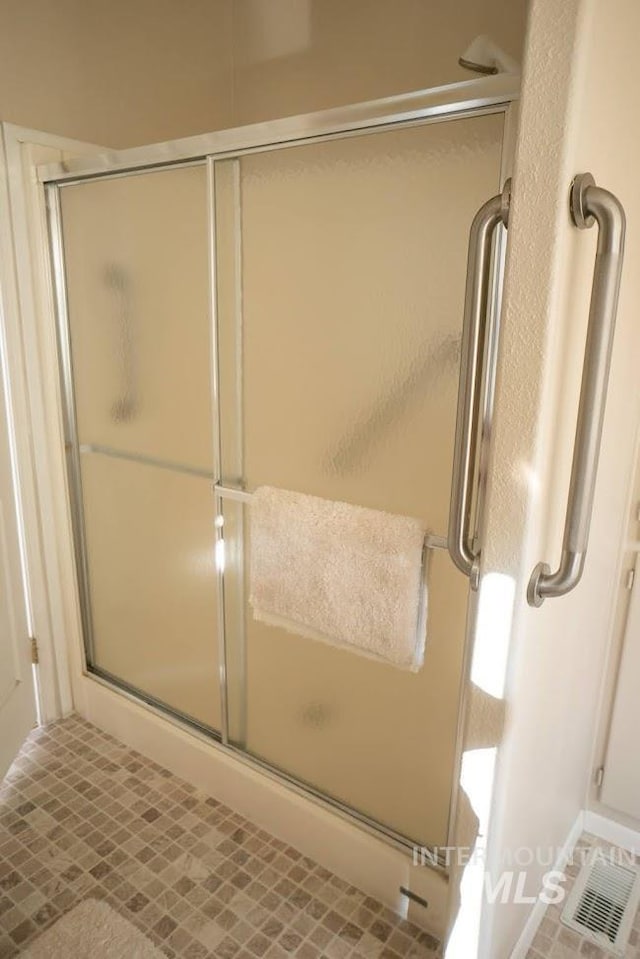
(556, 941)
(83, 816)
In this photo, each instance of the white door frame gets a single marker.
(36, 403)
(18, 699)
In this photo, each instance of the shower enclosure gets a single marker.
(250, 312)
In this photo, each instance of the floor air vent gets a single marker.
(603, 902)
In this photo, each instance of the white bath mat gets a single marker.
(92, 930)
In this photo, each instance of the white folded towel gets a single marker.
(349, 576)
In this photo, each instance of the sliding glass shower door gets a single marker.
(326, 280)
(341, 270)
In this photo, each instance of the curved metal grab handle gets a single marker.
(589, 204)
(476, 330)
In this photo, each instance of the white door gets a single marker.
(17, 695)
(621, 783)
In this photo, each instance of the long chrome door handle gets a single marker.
(477, 330)
(589, 204)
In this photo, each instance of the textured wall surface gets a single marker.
(611, 141)
(577, 100)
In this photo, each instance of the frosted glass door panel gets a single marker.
(339, 364)
(137, 277)
(137, 288)
(152, 581)
(353, 276)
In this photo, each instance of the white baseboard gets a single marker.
(538, 910)
(612, 831)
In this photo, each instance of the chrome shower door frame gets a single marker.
(490, 95)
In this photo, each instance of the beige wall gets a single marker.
(115, 72)
(584, 52)
(294, 56)
(125, 72)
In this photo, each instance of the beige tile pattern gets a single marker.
(556, 941)
(81, 816)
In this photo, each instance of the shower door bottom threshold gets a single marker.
(434, 860)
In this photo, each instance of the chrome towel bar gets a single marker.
(243, 496)
(478, 329)
(589, 204)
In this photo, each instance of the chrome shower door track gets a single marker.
(468, 98)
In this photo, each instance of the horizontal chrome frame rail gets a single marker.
(478, 329)
(143, 460)
(469, 97)
(589, 204)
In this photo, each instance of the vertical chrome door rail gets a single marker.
(589, 204)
